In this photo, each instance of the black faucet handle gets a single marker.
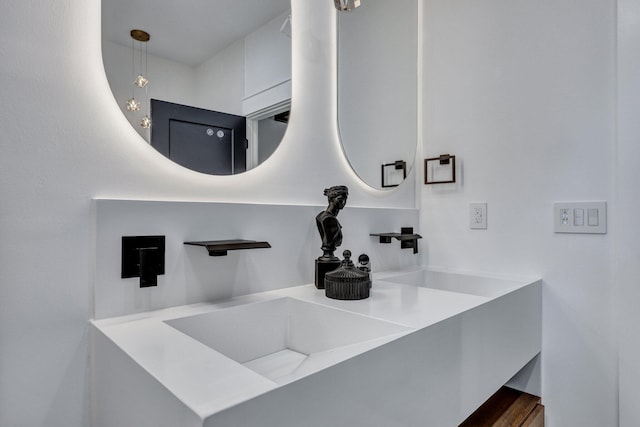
(148, 266)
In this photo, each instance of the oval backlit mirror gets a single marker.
(219, 77)
(378, 89)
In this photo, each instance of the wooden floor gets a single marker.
(508, 408)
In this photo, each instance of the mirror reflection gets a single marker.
(219, 77)
(378, 89)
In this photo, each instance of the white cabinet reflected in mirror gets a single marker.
(219, 76)
(378, 89)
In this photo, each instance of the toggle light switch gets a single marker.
(578, 217)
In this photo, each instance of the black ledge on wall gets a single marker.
(220, 247)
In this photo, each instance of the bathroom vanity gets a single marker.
(427, 348)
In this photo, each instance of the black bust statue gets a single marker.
(330, 231)
(327, 221)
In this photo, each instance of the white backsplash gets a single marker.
(192, 276)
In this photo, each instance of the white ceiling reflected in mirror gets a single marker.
(228, 58)
(378, 89)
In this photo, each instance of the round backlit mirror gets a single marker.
(219, 77)
(378, 89)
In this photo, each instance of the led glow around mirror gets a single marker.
(378, 89)
(220, 55)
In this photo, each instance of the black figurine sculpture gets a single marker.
(330, 232)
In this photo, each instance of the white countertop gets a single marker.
(208, 382)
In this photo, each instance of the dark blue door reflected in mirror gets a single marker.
(205, 141)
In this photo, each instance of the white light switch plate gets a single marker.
(580, 217)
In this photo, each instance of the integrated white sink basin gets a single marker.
(427, 348)
(489, 286)
(285, 338)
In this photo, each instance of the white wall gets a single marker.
(220, 80)
(267, 57)
(268, 62)
(627, 253)
(65, 141)
(523, 93)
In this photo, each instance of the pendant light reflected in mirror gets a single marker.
(140, 80)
